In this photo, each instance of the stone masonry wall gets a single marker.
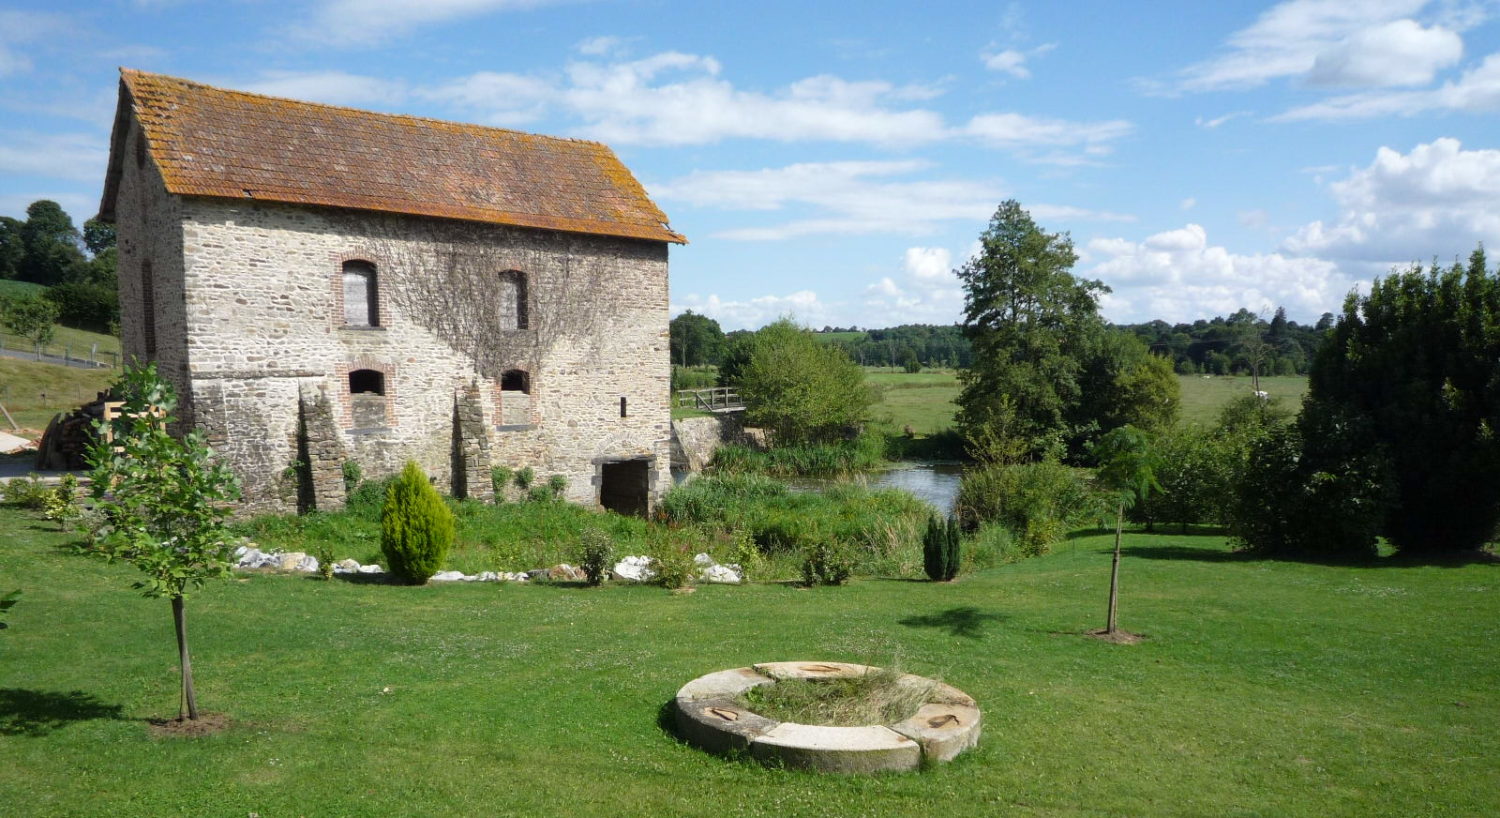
(149, 237)
(264, 322)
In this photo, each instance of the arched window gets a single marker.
(361, 296)
(367, 398)
(366, 382)
(515, 398)
(515, 380)
(511, 306)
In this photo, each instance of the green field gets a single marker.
(10, 287)
(1264, 689)
(925, 399)
(1203, 397)
(34, 392)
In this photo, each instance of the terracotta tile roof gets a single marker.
(213, 142)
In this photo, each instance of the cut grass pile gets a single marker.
(1265, 688)
(854, 701)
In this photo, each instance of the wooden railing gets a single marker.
(717, 399)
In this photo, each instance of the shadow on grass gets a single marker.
(38, 713)
(967, 621)
(1184, 552)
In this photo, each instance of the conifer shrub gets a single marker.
(416, 527)
(940, 549)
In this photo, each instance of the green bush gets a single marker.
(352, 476)
(416, 527)
(1038, 502)
(500, 478)
(525, 477)
(27, 492)
(673, 563)
(1284, 506)
(596, 553)
(61, 503)
(940, 549)
(366, 501)
(826, 561)
(556, 485)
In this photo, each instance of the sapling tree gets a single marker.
(1127, 471)
(163, 499)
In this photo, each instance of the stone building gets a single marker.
(326, 285)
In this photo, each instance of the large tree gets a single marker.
(696, 340)
(1030, 321)
(52, 245)
(12, 247)
(802, 390)
(1410, 375)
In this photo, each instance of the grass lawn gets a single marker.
(23, 383)
(1265, 689)
(923, 400)
(1203, 397)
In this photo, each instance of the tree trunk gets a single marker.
(189, 699)
(1114, 571)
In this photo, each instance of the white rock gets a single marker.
(471, 577)
(289, 562)
(634, 569)
(240, 552)
(371, 569)
(250, 558)
(488, 576)
(448, 576)
(703, 559)
(346, 564)
(307, 565)
(731, 574)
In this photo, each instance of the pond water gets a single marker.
(936, 483)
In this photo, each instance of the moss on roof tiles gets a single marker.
(214, 142)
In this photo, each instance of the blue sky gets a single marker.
(837, 161)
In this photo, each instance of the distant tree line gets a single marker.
(77, 267)
(1242, 343)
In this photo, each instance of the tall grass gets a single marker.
(829, 460)
(882, 528)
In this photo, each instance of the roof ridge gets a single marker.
(136, 72)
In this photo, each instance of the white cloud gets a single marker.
(77, 157)
(1476, 90)
(1018, 130)
(1253, 219)
(332, 87)
(1012, 61)
(1438, 200)
(1218, 120)
(1178, 276)
(504, 99)
(1363, 42)
(601, 46)
(20, 28)
(359, 22)
(1189, 203)
(624, 103)
(803, 306)
(849, 198)
(1400, 52)
(928, 263)
(674, 98)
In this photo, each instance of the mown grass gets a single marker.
(1203, 397)
(24, 383)
(1265, 689)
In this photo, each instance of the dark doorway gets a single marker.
(625, 486)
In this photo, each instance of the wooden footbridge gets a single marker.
(719, 400)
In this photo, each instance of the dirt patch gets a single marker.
(1119, 637)
(207, 724)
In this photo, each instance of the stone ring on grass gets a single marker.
(712, 714)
